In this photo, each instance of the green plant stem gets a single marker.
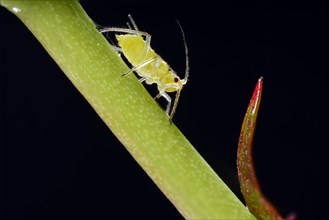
(87, 59)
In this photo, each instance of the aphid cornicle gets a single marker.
(149, 65)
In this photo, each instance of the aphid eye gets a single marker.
(175, 79)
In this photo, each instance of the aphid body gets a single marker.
(149, 65)
(157, 71)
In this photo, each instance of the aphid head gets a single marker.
(181, 82)
(171, 84)
(178, 83)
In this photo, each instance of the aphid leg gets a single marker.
(124, 30)
(117, 49)
(168, 98)
(142, 79)
(173, 110)
(148, 61)
(147, 45)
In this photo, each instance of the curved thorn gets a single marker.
(250, 188)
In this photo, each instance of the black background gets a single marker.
(60, 161)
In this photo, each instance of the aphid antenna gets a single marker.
(187, 67)
(184, 81)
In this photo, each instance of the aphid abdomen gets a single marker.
(133, 47)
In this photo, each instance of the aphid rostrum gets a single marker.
(135, 46)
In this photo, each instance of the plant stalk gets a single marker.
(95, 69)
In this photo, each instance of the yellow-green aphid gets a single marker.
(149, 65)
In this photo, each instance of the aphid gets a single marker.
(148, 64)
